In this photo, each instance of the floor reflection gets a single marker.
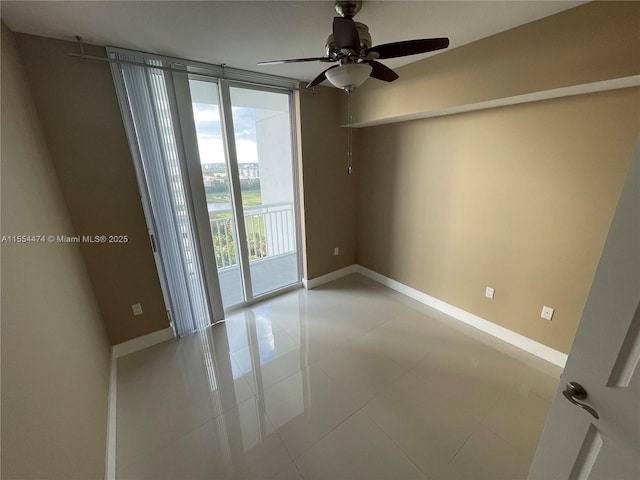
(269, 354)
(345, 380)
(248, 348)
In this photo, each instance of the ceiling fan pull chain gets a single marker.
(349, 136)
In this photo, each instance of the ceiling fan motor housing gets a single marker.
(363, 34)
(348, 9)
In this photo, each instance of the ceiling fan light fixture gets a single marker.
(349, 76)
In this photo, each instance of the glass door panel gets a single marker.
(262, 129)
(215, 176)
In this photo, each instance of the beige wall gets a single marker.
(594, 42)
(55, 352)
(517, 198)
(77, 104)
(329, 193)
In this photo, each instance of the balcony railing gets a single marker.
(270, 232)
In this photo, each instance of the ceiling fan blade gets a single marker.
(409, 47)
(382, 72)
(297, 60)
(345, 34)
(320, 78)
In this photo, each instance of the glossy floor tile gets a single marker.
(357, 448)
(350, 380)
(422, 422)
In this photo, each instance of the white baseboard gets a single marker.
(513, 338)
(140, 343)
(110, 467)
(329, 277)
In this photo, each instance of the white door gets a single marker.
(603, 360)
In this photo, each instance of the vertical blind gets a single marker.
(144, 100)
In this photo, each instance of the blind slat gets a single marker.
(146, 95)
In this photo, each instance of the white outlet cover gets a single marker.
(489, 292)
(547, 313)
(336, 251)
(137, 309)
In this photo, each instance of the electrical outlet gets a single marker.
(336, 251)
(547, 313)
(137, 309)
(489, 292)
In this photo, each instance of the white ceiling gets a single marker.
(242, 33)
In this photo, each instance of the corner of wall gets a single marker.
(329, 192)
(52, 333)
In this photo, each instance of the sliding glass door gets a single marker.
(245, 146)
(215, 178)
(215, 162)
(262, 134)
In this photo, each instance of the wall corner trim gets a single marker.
(520, 341)
(112, 404)
(329, 277)
(140, 343)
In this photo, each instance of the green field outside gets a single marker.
(249, 197)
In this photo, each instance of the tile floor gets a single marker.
(350, 380)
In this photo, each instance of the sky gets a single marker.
(209, 131)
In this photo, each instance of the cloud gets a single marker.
(212, 150)
(244, 123)
(205, 113)
(247, 151)
(209, 132)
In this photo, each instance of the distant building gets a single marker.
(217, 172)
(249, 170)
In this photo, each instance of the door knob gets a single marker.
(575, 392)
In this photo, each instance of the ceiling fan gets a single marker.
(350, 45)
